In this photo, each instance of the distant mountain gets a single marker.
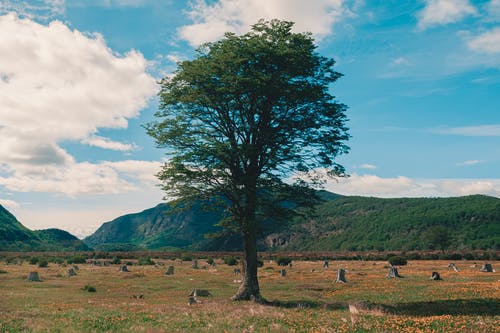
(16, 237)
(340, 223)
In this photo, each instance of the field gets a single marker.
(306, 300)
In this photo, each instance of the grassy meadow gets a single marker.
(307, 299)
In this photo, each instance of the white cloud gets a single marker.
(487, 42)
(372, 185)
(440, 12)
(482, 130)
(9, 204)
(367, 166)
(61, 85)
(493, 9)
(105, 143)
(40, 9)
(469, 162)
(400, 61)
(211, 21)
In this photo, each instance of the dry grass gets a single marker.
(304, 300)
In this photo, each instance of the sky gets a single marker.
(78, 80)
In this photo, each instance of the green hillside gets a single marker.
(362, 223)
(16, 237)
(340, 223)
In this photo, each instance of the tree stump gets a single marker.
(170, 270)
(237, 271)
(452, 265)
(195, 264)
(71, 272)
(340, 276)
(325, 264)
(435, 276)
(124, 268)
(200, 293)
(34, 277)
(393, 273)
(487, 268)
(282, 272)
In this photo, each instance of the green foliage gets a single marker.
(116, 261)
(145, 261)
(397, 261)
(43, 263)
(76, 260)
(186, 257)
(210, 261)
(3, 272)
(34, 260)
(231, 261)
(89, 288)
(283, 261)
(437, 237)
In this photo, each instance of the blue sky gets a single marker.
(78, 79)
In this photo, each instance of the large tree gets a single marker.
(251, 121)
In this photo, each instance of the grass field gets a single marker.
(304, 300)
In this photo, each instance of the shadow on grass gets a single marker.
(467, 307)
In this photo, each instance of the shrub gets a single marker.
(455, 256)
(43, 263)
(468, 256)
(210, 261)
(282, 261)
(34, 260)
(145, 261)
(58, 261)
(129, 263)
(230, 261)
(76, 260)
(186, 257)
(2, 271)
(397, 261)
(260, 263)
(116, 261)
(89, 288)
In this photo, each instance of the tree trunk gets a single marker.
(249, 288)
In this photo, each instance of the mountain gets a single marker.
(339, 223)
(16, 237)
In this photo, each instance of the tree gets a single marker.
(247, 113)
(437, 237)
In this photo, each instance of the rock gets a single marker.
(200, 293)
(34, 277)
(487, 268)
(435, 276)
(340, 276)
(170, 270)
(393, 273)
(71, 272)
(124, 268)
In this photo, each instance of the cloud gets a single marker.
(41, 9)
(105, 143)
(83, 178)
(60, 85)
(211, 21)
(469, 162)
(487, 42)
(9, 204)
(493, 9)
(367, 166)
(440, 12)
(480, 131)
(372, 185)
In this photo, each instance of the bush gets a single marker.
(76, 260)
(43, 263)
(89, 288)
(230, 261)
(186, 257)
(34, 260)
(260, 263)
(116, 261)
(455, 256)
(210, 261)
(145, 261)
(397, 261)
(282, 261)
(58, 261)
(2, 271)
(468, 256)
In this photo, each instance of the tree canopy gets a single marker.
(251, 120)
